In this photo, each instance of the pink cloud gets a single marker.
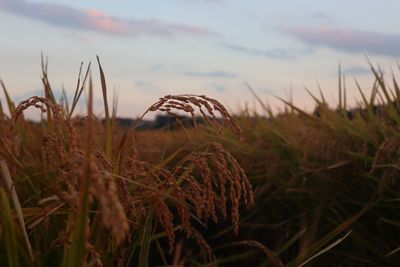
(105, 23)
(95, 20)
(81, 38)
(353, 41)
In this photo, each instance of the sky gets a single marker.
(152, 48)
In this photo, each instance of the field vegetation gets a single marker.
(286, 189)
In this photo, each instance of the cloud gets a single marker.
(320, 16)
(189, 71)
(29, 93)
(284, 54)
(81, 38)
(58, 93)
(157, 67)
(95, 20)
(205, 1)
(351, 41)
(356, 71)
(211, 74)
(145, 85)
(217, 87)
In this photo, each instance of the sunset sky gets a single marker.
(152, 48)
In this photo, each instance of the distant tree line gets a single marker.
(166, 122)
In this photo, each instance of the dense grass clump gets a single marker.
(327, 183)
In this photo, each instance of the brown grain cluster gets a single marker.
(203, 182)
(62, 157)
(212, 111)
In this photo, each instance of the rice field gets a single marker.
(287, 189)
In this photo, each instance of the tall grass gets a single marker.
(325, 183)
(75, 192)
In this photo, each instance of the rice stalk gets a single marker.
(14, 196)
(10, 234)
(146, 240)
(108, 129)
(78, 253)
(10, 103)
